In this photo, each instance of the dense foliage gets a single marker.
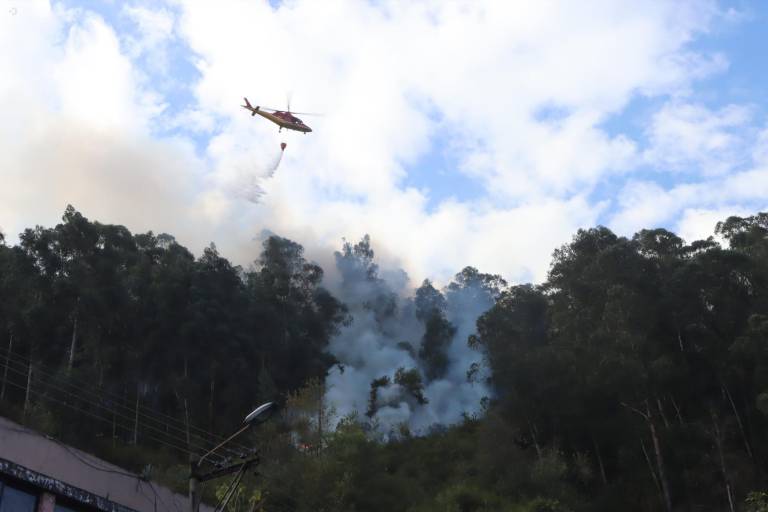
(140, 320)
(634, 378)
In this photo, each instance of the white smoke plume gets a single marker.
(386, 335)
(245, 179)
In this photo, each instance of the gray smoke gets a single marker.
(386, 335)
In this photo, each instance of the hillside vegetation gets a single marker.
(635, 378)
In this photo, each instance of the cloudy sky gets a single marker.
(455, 133)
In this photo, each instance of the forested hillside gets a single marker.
(634, 378)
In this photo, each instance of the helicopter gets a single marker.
(283, 118)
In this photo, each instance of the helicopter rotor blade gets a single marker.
(308, 114)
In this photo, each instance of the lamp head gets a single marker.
(258, 412)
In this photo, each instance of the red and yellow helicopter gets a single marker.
(283, 118)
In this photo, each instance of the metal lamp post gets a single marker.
(196, 478)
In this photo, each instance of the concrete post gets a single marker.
(194, 485)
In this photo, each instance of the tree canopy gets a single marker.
(635, 377)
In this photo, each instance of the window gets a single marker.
(16, 500)
(62, 508)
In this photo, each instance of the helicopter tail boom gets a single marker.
(250, 107)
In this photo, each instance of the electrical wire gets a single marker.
(115, 413)
(70, 381)
(22, 362)
(128, 428)
(74, 453)
(52, 386)
(214, 438)
(93, 415)
(231, 489)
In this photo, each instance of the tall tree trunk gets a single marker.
(210, 402)
(653, 471)
(599, 461)
(186, 418)
(648, 417)
(73, 344)
(738, 420)
(659, 460)
(26, 393)
(677, 411)
(719, 444)
(320, 411)
(535, 439)
(127, 406)
(7, 363)
(661, 413)
(136, 420)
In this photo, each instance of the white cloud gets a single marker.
(154, 25)
(695, 139)
(645, 204)
(155, 30)
(760, 148)
(699, 223)
(96, 85)
(642, 204)
(485, 67)
(82, 135)
(390, 78)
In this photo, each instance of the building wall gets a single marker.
(57, 468)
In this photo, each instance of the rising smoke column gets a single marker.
(404, 358)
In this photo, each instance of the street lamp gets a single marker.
(195, 477)
(248, 421)
(259, 411)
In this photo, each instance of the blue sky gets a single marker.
(454, 133)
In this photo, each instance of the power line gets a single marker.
(68, 381)
(113, 420)
(91, 414)
(44, 396)
(118, 399)
(231, 489)
(96, 416)
(110, 410)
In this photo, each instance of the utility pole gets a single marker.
(196, 477)
(194, 491)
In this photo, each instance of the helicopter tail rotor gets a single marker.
(250, 107)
